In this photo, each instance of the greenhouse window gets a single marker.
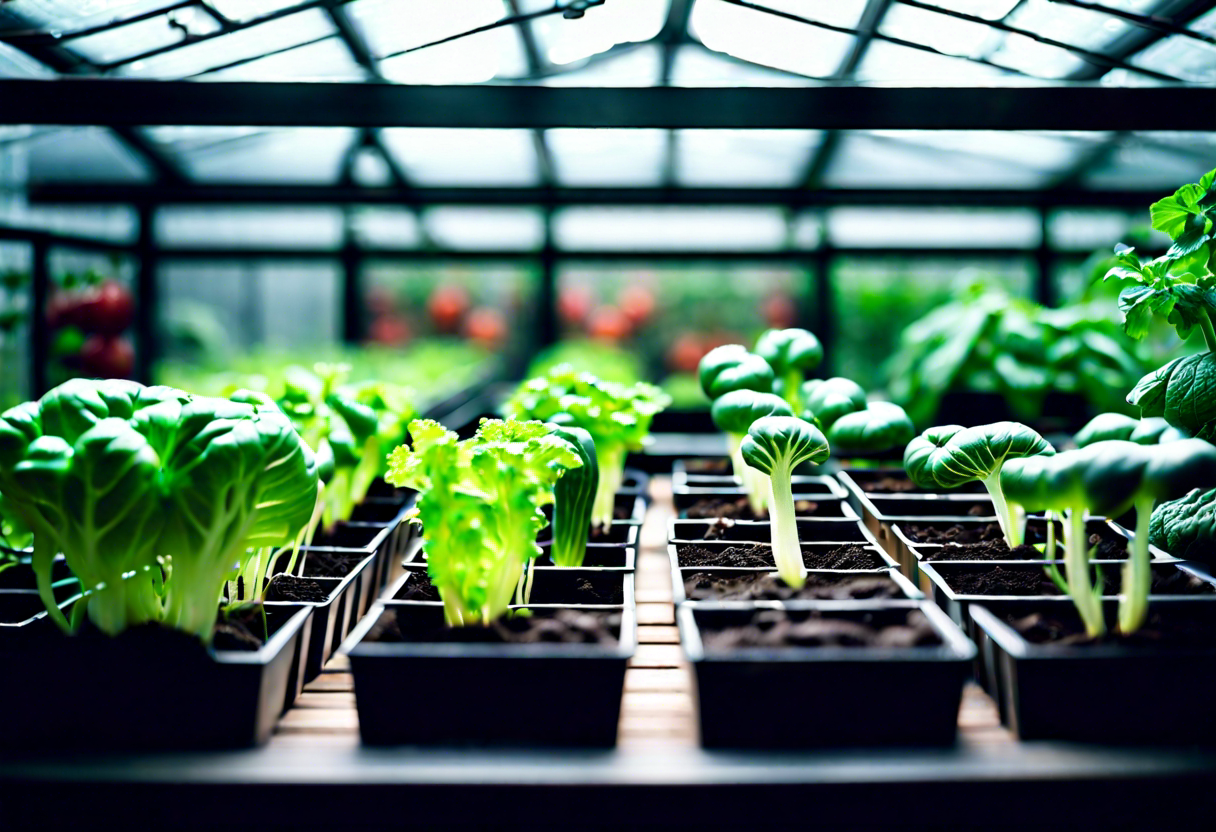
(773, 41)
(501, 229)
(244, 227)
(743, 158)
(668, 229)
(564, 41)
(441, 156)
(932, 228)
(608, 157)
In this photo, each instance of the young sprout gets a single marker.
(1107, 478)
(792, 353)
(880, 426)
(1153, 430)
(776, 445)
(734, 413)
(950, 455)
(732, 367)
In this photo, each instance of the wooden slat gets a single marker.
(646, 679)
(656, 614)
(658, 634)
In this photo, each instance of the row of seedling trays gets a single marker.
(827, 663)
(1047, 682)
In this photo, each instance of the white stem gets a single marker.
(992, 483)
(1076, 560)
(787, 551)
(1137, 574)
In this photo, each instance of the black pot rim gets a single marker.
(680, 594)
(674, 558)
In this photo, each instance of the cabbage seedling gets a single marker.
(734, 413)
(1149, 431)
(574, 499)
(1108, 478)
(617, 416)
(880, 426)
(732, 367)
(950, 455)
(826, 400)
(776, 445)
(792, 353)
(480, 506)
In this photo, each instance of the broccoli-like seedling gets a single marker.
(826, 400)
(732, 367)
(776, 445)
(792, 353)
(880, 426)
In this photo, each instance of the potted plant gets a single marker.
(152, 496)
(480, 505)
(1159, 650)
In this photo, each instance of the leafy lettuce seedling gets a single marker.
(574, 499)
(617, 416)
(950, 455)
(480, 505)
(776, 445)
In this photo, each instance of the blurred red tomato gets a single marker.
(686, 352)
(104, 357)
(392, 330)
(780, 311)
(63, 310)
(574, 304)
(608, 323)
(720, 338)
(107, 309)
(486, 325)
(447, 306)
(637, 303)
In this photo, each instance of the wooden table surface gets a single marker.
(314, 771)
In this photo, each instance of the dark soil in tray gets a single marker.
(296, 590)
(708, 466)
(418, 588)
(703, 586)
(761, 555)
(739, 509)
(322, 564)
(1033, 580)
(955, 534)
(901, 484)
(997, 549)
(1159, 630)
(779, 628)
(585, 591)
(540, 627)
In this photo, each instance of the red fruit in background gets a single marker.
(63, 310)
(392, 330)
(685, 353)
(103, 357)
(637, 303)
(486, 326)
(107, 309)
(574, 304)
(780, 311)
(447, 307)
(721, 338)
(608, 323)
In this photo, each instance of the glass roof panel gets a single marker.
(392, 25)
(1028, 55)
(82, 154)
(242, 10)
(987, 9)
(769, 40)
(696, 66)
(607, 157)
(1090, 229)
(16, 64)
(638, 67)
(380, 227)
(469, 60)
(326, 60)
(932, 228)
(143, 36)
(440, 156)
(1090, 30)
(946, 34)
(744, 158)
(299, 155)
(247, 43)
(68, 15)
(485, 229)
(564, 41)
(1184, 58)
(893, 64)
(238, 226)
(1155, 160)
(845, 13)
(691, 229)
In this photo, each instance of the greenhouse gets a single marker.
(607, 413)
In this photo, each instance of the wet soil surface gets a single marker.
(997, 549)
(780, 628)
(541, 627)
(708, 466)
(1033, 580)
(584, 591)
(322, 564)
(739, 509)
(1162, 629)
(841, 557)
(418, 588)
(296, 590)
(894, 484)
(703, 586)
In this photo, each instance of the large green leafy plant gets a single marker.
(1108, 478)
(480, 506)
(154, 497)
(1180, 288)
(617, 416)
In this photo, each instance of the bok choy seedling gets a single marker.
(734, 413)
(1151, 431)
(950, 455)
(1108, 478)
(617, 416)
(793, 354)
(775, 446)
(480, 506)
(153, 496)
(732, 367)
